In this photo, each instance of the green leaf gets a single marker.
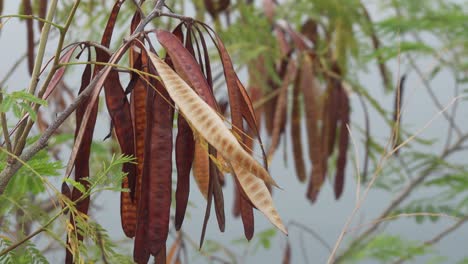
(76, 185)
(6, 104)
(30, 110)
(23, 95)
(389, 248)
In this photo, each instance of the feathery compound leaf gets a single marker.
(87, 114)
(210, 126)
(119, 110)
(97, 84)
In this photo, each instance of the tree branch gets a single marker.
(13, 166)
(36, 69)
(33, 234)
(438, 237)
(4, 125)
(400, 198)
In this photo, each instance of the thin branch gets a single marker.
(453, 114)
(386, 79)
(13, 69)
(33, 234)
(265, 99)
(11, 168)
(446, 232)
(23, 130)
(438, 237)
(399, 216)
(45, 21)
(157, 12)
(208, 255)
(311, 232)
(18, 141)
(400, 198)
(4, 125)
(436, 101)
(368, 138)
(138, 7)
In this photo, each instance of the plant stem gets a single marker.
(4, 125)
(35, 233)
(63, 32)
(36, 69)
(307, 229)
(45, 21)
(357, 242)
(11, 168)
(438, 237)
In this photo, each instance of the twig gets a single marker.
(367, 142)
(400, 198)
(311, 232)
(11, 168)
(23, 130)
(433, 96)
(453, 114)
(35, 233)
(45, 21)
(266, 98)
(138, 7)
(438, 237)
(376, 44)
(358, 171)
(12, 69)
(398, 216)
(4, 125)
(36, 69)
(209, 256)
(157, 12)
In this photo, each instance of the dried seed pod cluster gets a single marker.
(177, 89)
(316, 84)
